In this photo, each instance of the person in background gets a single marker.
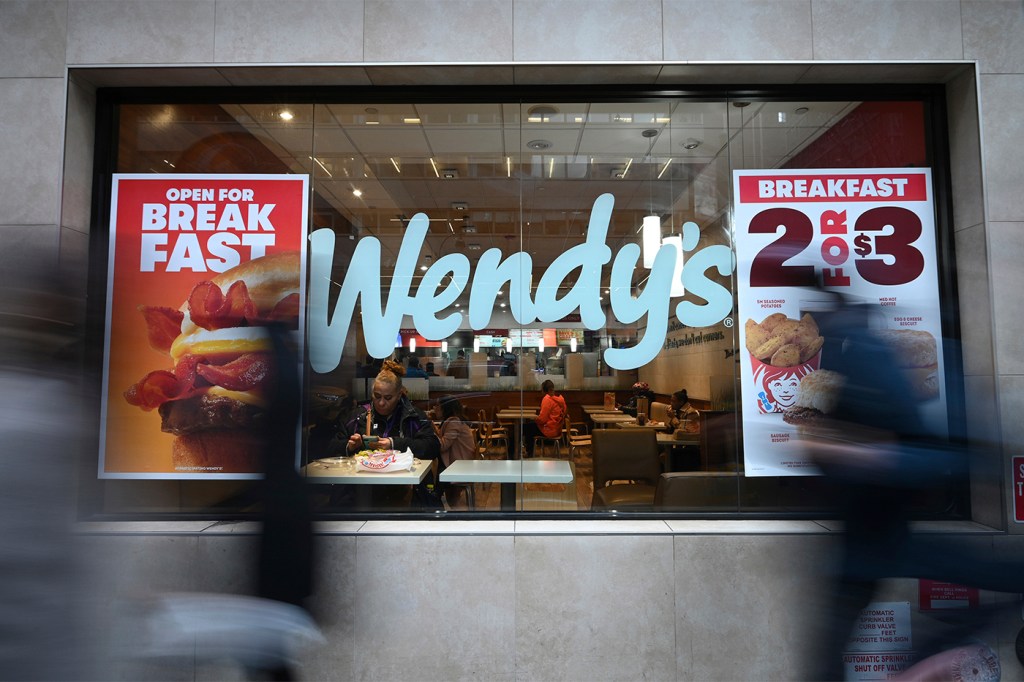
(551, 419)
(414, 369)
(684, 415)
(640, 390)
(430, 370)
(456, 440)
(458, 368)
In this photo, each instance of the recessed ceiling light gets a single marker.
(357, 192)
(800, 111)
(690, 143)
(286, 115)
(539, 144)
(740, 105)
(650, 132)
(410, 119)
(473, 247)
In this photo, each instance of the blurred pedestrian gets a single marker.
(873, 445)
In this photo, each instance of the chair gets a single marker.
(697, 490)
(490, 437)
(545, 441)
(575, 440)
(660, 412)
(626, 468)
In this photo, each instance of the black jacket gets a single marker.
(407, 426)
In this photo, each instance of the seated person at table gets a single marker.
(458, 367)
(640, 390)
(456, 440)
(550, 420)
(393, 419)
(414, 369)
(430, 370)
(683, 415)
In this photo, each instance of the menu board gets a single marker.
(867, 233)
(200, 267)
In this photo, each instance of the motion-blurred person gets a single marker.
(42, 592)
(867, 436)
(458, 367)
(456, 441)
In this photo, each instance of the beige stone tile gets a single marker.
(588, 30)
(76, 202)
(134, 77)
(973, 287)
(1002, 98)
(872, 30)
(965, 151)
(545, 74)
(758, 30)
(307, 75)
(1007, 249)
(980, 397)
(128, 32)
(73, 256)
(27, 248)
(32, 111)
(434, 31)
(461, 76)
(1011, 407)
(733, 628)
(294, 31)
(567, 625)
(410, 607)
(583, 527)
(992, 34)
(225, 564)
(32, 38)
(882, 73)
(713, 74)
(333, 607)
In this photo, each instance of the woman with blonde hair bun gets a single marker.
(392, 418)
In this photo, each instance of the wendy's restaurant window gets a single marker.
(515, 304)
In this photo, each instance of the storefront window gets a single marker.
(535, 223)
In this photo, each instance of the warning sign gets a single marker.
(1018, 489)
(881, 645)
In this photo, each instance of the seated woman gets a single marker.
(393, 418)
(640, 390)
(550, 420)
(456, 441)
(683, 415)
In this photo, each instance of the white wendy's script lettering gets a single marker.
(451, 274)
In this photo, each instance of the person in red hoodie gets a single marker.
(550, 420)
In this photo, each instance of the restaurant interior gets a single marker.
(521, 174)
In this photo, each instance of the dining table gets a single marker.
(668, 442)
(508, 473)
(343, 471)
(604, 420)
(600, 409)
(518, 415)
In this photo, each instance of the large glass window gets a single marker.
(530, 218)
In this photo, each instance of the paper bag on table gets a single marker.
(609, 400)
(384, 461)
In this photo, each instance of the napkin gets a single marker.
(383, 461)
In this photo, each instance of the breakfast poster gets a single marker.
(200, 266)
(867, 233)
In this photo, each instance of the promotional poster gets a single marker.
(199, 267)
(867, 233)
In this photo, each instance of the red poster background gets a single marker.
(132, 445)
